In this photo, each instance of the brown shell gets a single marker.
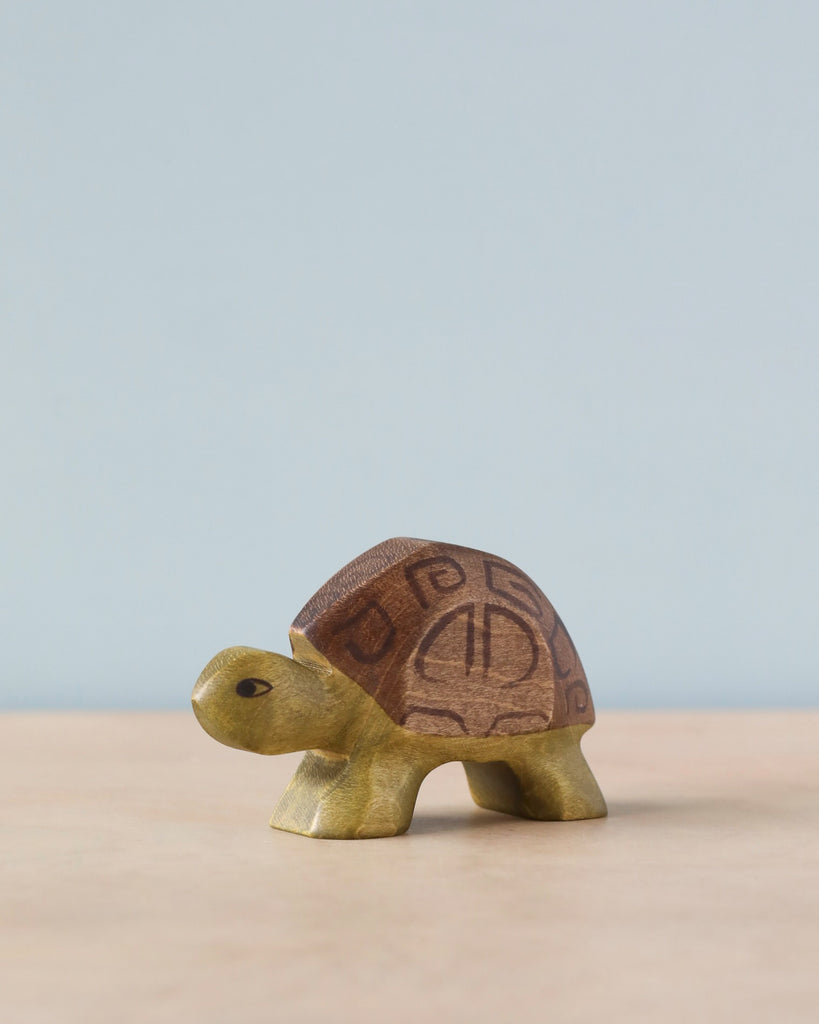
(449, 641)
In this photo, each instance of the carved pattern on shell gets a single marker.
(452, 641)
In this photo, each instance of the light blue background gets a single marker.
(283, 280)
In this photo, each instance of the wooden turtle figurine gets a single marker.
(414, 654)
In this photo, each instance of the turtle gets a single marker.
(414, 654)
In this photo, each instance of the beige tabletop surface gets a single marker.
(140, 882)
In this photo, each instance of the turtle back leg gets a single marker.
(367, 795)
(544, 777)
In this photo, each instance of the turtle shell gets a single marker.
(449, 641)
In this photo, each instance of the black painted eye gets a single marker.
(253, 688)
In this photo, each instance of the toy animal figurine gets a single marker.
(414, 654)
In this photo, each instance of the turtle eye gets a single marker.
(253, 688)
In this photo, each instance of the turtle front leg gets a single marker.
(366, 796)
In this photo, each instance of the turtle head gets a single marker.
(267, 703)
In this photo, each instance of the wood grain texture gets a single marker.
(449, 641)
(413, 655)
(360, 776)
